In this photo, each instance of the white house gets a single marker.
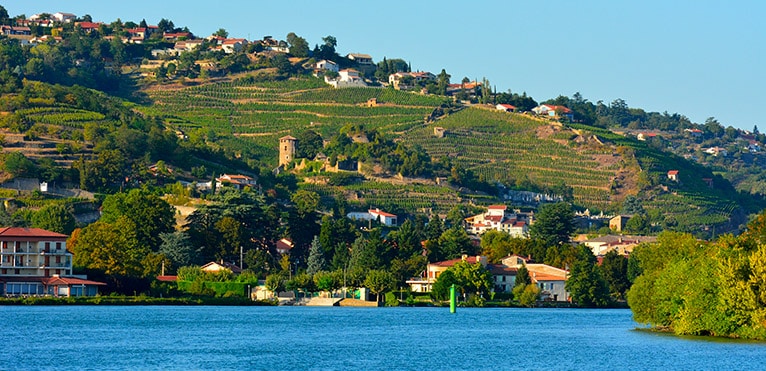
(553, 111)
(237, 181)
(63, 17)
(506, 107)
(385, 218)
(715, 151)
(347, 78)
(230, 46)
(187, 45)
(326, 65)
(499, 218)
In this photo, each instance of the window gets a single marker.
(58, 245)
(503, 280)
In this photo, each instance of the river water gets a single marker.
(299, 338)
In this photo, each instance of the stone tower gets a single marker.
(286, 149)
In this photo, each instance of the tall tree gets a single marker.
(554, 223)
(586, 283)
(317, 260)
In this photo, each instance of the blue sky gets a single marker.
(697, 58)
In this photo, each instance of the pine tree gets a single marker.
(316, 257)
(522, 276)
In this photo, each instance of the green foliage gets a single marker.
(554, 223)
(391, 300)
(526, 294)
(703, 289)
(57, 218)
(316, 260)
(379, 281)
(586, 283)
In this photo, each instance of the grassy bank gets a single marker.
(131, 300)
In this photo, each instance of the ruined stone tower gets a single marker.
(287, 145)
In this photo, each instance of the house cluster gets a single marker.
(387, 219)
(36, 262)
(549, 279)
(623, 245)
(499, 218)
(395, 79)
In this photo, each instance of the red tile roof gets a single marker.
(381, 213)
(673, 172)
(497, 207)
(29, 233)
(167, 278)
(72, 281)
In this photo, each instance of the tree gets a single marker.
(4, 17)
(526, 294)
(454, 243)
(56, 218)
(309, 144)
(554, 223)
(221, 33)
(275, 283)
(151, 215)
(441, 287)
(615, 271)
(316, 260)
(472, 278)
(112, 248)
(298, 45)
(442, 82)
(177, 248)
(522, 276)
(379, 281)
(19, 165)
(586, 283)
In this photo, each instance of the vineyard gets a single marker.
(261, 112)
(507, 148)
(246, 118)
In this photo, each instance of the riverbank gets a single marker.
(133, 300)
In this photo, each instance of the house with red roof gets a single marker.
(673, 175)
(237, 181)
(553, 111)
(506, 107)
(220, 267)
(499, 218)
(231, 46)
(383, 217)
(88, 27)
(34, 261)
(549, 279)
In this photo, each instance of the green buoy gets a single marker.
(452, 299)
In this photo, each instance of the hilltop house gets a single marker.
(231, 46)
(237, 181)
(505, 108)
(34, 261)
(553, 111)
(360, 58)
(673, 175)
(499, 218)
(63, 17)
(325, 65)
(347, 78)
(385, 218)
(395, 78)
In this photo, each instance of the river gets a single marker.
(298, 338)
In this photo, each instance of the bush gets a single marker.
(391, 300)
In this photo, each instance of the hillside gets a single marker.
(190, 109)
(519, 151)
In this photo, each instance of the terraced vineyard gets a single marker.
(392, 197)
(262, 112)
(509, 147)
